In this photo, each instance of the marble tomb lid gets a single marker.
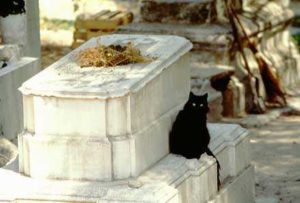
(65, 78)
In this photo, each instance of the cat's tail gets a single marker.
(209, 152)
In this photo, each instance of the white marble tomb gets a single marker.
(127, 110)
(71, 157)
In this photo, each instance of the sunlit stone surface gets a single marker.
(87, 140)
(126, 111)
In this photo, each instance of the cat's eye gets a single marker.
(194, 104)
(201, 105)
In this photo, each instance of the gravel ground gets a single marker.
(276, 156)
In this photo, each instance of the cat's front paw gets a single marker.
(192, 164)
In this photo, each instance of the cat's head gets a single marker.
(197, 104)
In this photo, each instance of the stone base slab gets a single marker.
(172, 180)
(164, 182)
(122, 157)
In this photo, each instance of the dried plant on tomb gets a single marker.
(110, 56)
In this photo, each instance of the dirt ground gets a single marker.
(50, 54)
(276, 156)
(54, 45)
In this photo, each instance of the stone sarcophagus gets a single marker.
(101, 134)
(120, 116)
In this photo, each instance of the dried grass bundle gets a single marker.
(112, 55)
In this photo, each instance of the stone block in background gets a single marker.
(211, 40)
(170, 11)
(234, 99)
(217, 81)
(11, 108)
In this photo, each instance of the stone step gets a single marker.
(172, 180)
(230, 143)
(165, 182)
(237, 189)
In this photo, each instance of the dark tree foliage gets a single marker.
(13, 7)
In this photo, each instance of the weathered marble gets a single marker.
(11, 77)
(238, 189)
(126, 109)
(121, 156)
(230, 143)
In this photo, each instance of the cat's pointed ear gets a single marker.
(191, 95)
(205, 95)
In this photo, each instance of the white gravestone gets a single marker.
(126, 158)
(119, 116)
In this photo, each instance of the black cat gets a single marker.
(189, 136)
